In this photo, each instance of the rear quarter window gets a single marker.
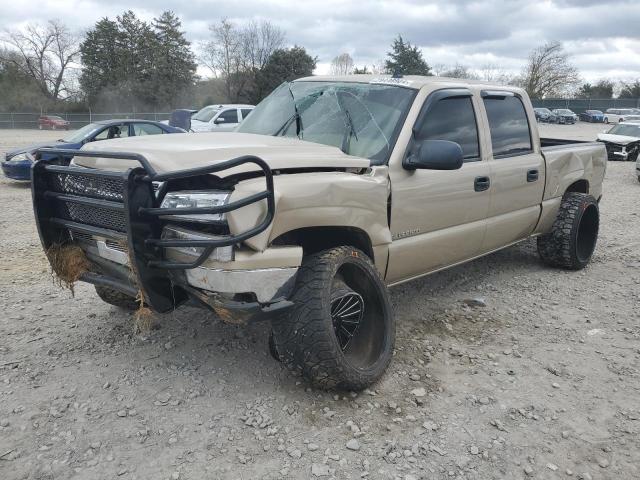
(508, 125)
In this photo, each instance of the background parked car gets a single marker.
(622, 141)
(616, 115)
(193, 112)
(219, 118)
(565, 116)
(593, 116)
(17, 163)
(53, 122)
(545, 115)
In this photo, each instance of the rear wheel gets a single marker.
(574, 234)
(116, 298)
(341, 331)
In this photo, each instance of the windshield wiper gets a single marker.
(296, 115)
(346, 140)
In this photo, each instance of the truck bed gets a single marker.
(569, 161)
(556, 142)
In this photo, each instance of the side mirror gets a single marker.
(435, 155)
(219, 120)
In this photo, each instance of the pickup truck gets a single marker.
(334, 189)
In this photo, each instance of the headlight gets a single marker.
(21, 157)
(195, 199)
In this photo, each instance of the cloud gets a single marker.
(602, 35)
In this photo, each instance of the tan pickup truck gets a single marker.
(332, 190)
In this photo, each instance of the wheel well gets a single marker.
(580, 186)
(315, 239)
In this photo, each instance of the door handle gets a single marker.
(480, 184)
(532, 175)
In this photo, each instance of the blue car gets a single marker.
(17, 163)
(592, 116)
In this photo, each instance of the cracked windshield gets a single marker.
(360, 119)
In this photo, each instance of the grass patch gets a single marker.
(68, 263)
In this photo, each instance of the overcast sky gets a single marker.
(603, 36)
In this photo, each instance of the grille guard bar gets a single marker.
(134, 198)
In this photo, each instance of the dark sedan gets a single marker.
(565, 116)
(545, 115)
(17, 163)
(592, 116)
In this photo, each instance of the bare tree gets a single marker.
(342, 64)
(438, 69)
(259, 41)
(45, 53)
(236, 53)
(490, 72)
(548, 72)
(459, 71)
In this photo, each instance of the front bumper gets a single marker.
(117, 219)
(17, 170)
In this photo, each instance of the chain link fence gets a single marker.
(579, 105)
(30, 120)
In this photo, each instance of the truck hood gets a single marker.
(169, 153)
(617, 139)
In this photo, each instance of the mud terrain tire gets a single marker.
(340, 333)
(117, 299)
(574, 234)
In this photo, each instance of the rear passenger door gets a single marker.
(517, 171)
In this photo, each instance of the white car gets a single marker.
(219, 118)
(617, 115)
(622, 141)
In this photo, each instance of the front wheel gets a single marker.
(340, 333)
(572, 239)
(116, 298)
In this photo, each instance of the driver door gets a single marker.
(438, 217)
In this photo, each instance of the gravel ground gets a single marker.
(540, 382)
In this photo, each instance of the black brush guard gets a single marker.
(123, 208)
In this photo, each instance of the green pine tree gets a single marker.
(406, 59)
(100, 59)
(284, 65)
(174, 61)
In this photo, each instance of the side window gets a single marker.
(230, 116)
(246, 112)
(508, 125)
(453, 119)
(140, 129)
(103, 135)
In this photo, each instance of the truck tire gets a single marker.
(574, 234)
(340, 333)
(116, 298)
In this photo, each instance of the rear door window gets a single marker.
(246, 112)
(509, 126)
(453, 119)
(140, 129)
